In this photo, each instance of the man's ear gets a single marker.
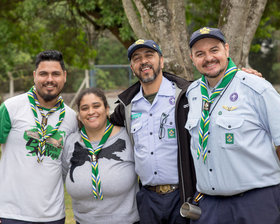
(161, 62)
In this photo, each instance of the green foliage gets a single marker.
(30, 26)
(111, 52)
(104, 14)
(275, 73)
(104, 81)
(201, 13)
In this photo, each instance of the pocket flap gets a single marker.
(229, 122)
(135, 127)
(191, 123)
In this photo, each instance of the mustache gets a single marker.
(209, 62)
(145, 65)
(49, 83)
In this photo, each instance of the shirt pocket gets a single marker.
(230, 133)
(139, 135)
(192, 125)
(168, 131)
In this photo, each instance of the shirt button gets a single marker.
(170, 123)
(213, 188)
(229, 126)
(151, 133)
(151, 114)
(155, 172)
(209, 151)
(210, 170)
(152, 153)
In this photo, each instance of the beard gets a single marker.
(148, 79)
(47, 97)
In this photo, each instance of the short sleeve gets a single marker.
(5, 123)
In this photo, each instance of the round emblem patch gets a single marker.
(233, 97)
(172, 100)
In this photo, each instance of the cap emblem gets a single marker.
(204, 30)
(140, 41)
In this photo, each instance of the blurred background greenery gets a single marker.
(30, 26)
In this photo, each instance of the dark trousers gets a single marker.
(258, 206)
(157, 208)
(14, 221)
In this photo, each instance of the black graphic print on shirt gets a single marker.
(81, 154)
(54, 144)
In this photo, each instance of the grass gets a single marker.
(68, 209)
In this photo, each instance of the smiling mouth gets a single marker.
(91, 118)
(145, 68)
(210, 64)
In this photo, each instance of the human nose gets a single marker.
(208, 57)
(91, 110)
(49, 77)
(144, 60)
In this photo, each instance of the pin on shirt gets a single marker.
(229, 108)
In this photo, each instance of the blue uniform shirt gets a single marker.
(155, 157)
(244, 125)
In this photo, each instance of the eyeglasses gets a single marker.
(161, 131)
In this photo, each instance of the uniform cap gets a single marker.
(142, 44)
(206, 32)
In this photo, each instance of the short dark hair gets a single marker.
(50, 55)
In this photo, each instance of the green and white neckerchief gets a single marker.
(207, 101)
(95, 177)
(42, 127)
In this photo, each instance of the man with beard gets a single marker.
(234, 124)
(33, 128)
(153, 111)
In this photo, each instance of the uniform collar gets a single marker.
(167, 88)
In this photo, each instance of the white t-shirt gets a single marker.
(29, 190)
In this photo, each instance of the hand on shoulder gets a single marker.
(252, 71)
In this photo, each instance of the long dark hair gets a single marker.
(97, 92)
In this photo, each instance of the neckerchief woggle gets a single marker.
(42, 127)
(95, 177)
(207, 101)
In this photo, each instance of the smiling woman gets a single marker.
(98, 165)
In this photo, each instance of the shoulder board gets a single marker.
(254, 82)
(194, 85)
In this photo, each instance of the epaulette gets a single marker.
(254, 82)
(193, 85)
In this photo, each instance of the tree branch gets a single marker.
(134, 22)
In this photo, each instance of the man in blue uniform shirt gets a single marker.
(234, 125)
(161, 143)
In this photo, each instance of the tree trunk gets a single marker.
(165, 23)
(11, 81)
(239, 20)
